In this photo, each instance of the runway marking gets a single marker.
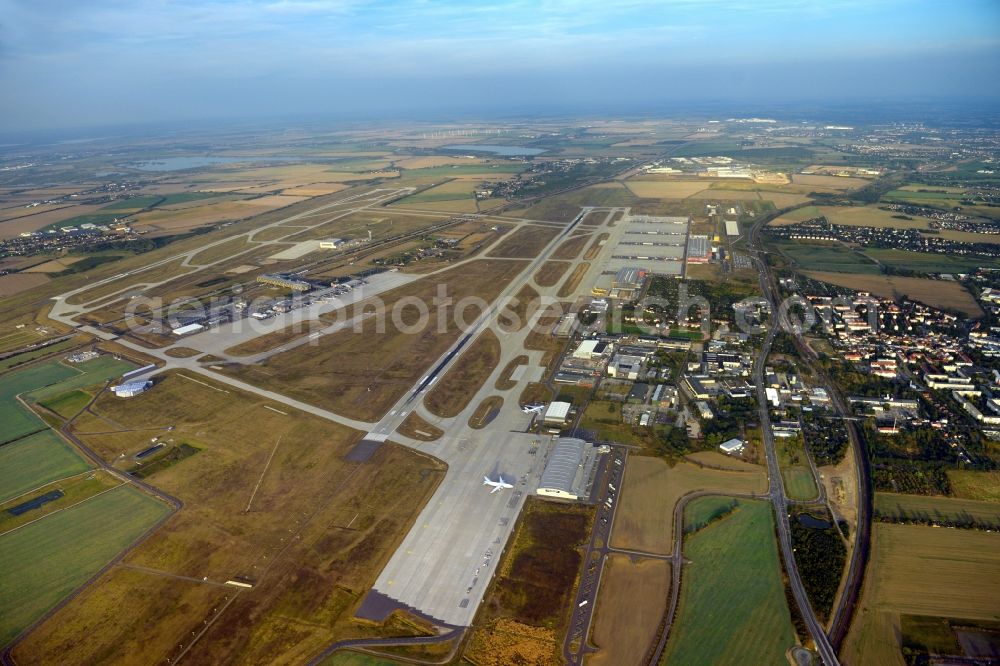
(192, 379)
(275, 410)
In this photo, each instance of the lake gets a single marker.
(181, 163)
(505, 151)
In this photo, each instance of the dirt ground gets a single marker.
(630, 605)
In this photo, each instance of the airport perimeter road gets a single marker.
(776, 484)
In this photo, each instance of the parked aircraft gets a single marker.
(497, 485)
(534, 408)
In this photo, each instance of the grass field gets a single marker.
(67, 404)
(17, 420)
(274, 339)
(46, 560)
(630, 605)
(34, 461)
(275, 491)
(732, 606)
(487, 407)
(795, 471)
(928, 262)
(518, 311)
(595, 247)
(651, 488)
(363, 374)
(665, 189)
(550, 272)
(525, 242)
(935, 293)
(416, 427)
(572, 283)
(74, 489)
(922, 571)
(571, 248)
(975, 485)
(921, 507)
(504, 381)
(826, 257)
(453, 392)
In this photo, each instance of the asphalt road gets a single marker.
(776, 490)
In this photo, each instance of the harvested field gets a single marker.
(270, 341)
(550, 272)
(504, 381)
(726, 195)
(921, 571)
(869, 216)
(595, 247)
(732, 606)
(570, 249)
(54, 265)
(454, 391)
(13, 227)
(572, 283)
(651, 488)
(842, 183)
(15, 283)
(485, 412)
(796, 216)
(364, 373)
(416, 427)
(519, 310)
(665, 189)
(940, 294)
(210, 213)
(630, 605)
(526, 242)
(782, 199)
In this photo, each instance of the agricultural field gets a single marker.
(732, 606)
(929, 262)
(17, 420)
(974, 484)
(870, 216)
(832, 257)
(901, 507)
(922, 571)
(452, 393)
(841, 183)
(363, 374)
(34, 461)
(275, 488)
(941, 294)
(46, 560)
(630, 605)
(651, 489)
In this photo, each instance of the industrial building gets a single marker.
(130, 389)
(699, 250)
(331, 243)
(731, 446)
(187, 329)
(569, 469)
(557, 413)
(285, 282)
(654, 243)
(732, 228)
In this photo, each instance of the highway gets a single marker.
(776, 491)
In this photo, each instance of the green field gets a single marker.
(836, 258)
(46, 560)
(930, 198)
(927, 262)
(732, 606)
(97, 371)
(17, 420)
(34, 461)
(67, 404)
(18, 359)
(937, 509)
(974, 484)
(795, 470)
(702, 511)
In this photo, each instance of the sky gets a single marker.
(80, 63)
